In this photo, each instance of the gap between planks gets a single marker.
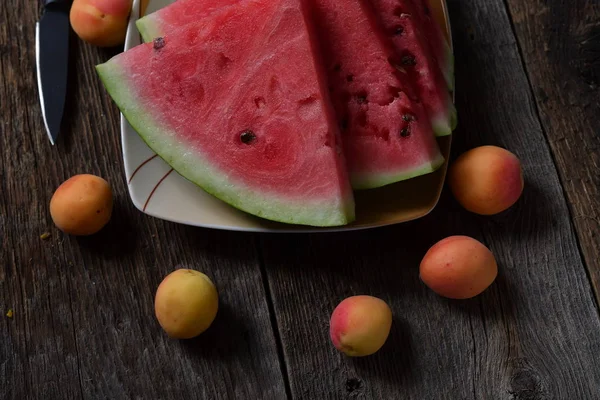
(584, 261)
(273, 317)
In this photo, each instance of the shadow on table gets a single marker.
(236, 247)
(224, 339)
(491, 305)
(395, 361)
(396, 352)
(78, 87)
(533, 215)
(118, 238)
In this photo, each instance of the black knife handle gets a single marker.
(57, 3)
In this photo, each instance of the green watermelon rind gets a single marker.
(320, 213)
(149, 28)
(445, 124)
(371, 181)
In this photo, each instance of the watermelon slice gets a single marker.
(372, 164)
(437, 39)
(386, 132)
(403, 25)
(245, 116)
(177, 14)
(182, 12)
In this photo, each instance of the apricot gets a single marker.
(458, 267)
(360, 325)
(82, 205)
(186, 303)
(486, 180)
(100, 22)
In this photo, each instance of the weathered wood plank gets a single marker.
(533, 334)
(83, 324)
(560, 42)
(40, 332)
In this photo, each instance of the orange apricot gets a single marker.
(486, 180)
(82, 205)
(458, 267)
(100, 22)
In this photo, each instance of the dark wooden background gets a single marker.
(528, 76)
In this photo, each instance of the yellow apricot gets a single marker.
(186, 303)
(360, 325)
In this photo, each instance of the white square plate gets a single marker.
(157, 190)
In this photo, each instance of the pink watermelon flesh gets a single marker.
(400, 20)
(386, 133)
(371, 163)
(182, 12)
(436, 38)
(178, 14)
(245, 116)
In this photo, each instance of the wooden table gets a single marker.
(528, 76)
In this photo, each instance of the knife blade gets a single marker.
(52, 58)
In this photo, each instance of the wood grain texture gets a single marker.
(83, 324)
(560, 43)
(532, 335)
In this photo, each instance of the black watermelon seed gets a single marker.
(405, 132)
(361, 99)
(159, 43)
(247, 136)
(409, 61)
(399, 30)
(408, 117)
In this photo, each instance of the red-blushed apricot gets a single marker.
(82, 205)
(186, 303)
(458, 267)
(360, 325)
(100, 22)
(486, 180)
